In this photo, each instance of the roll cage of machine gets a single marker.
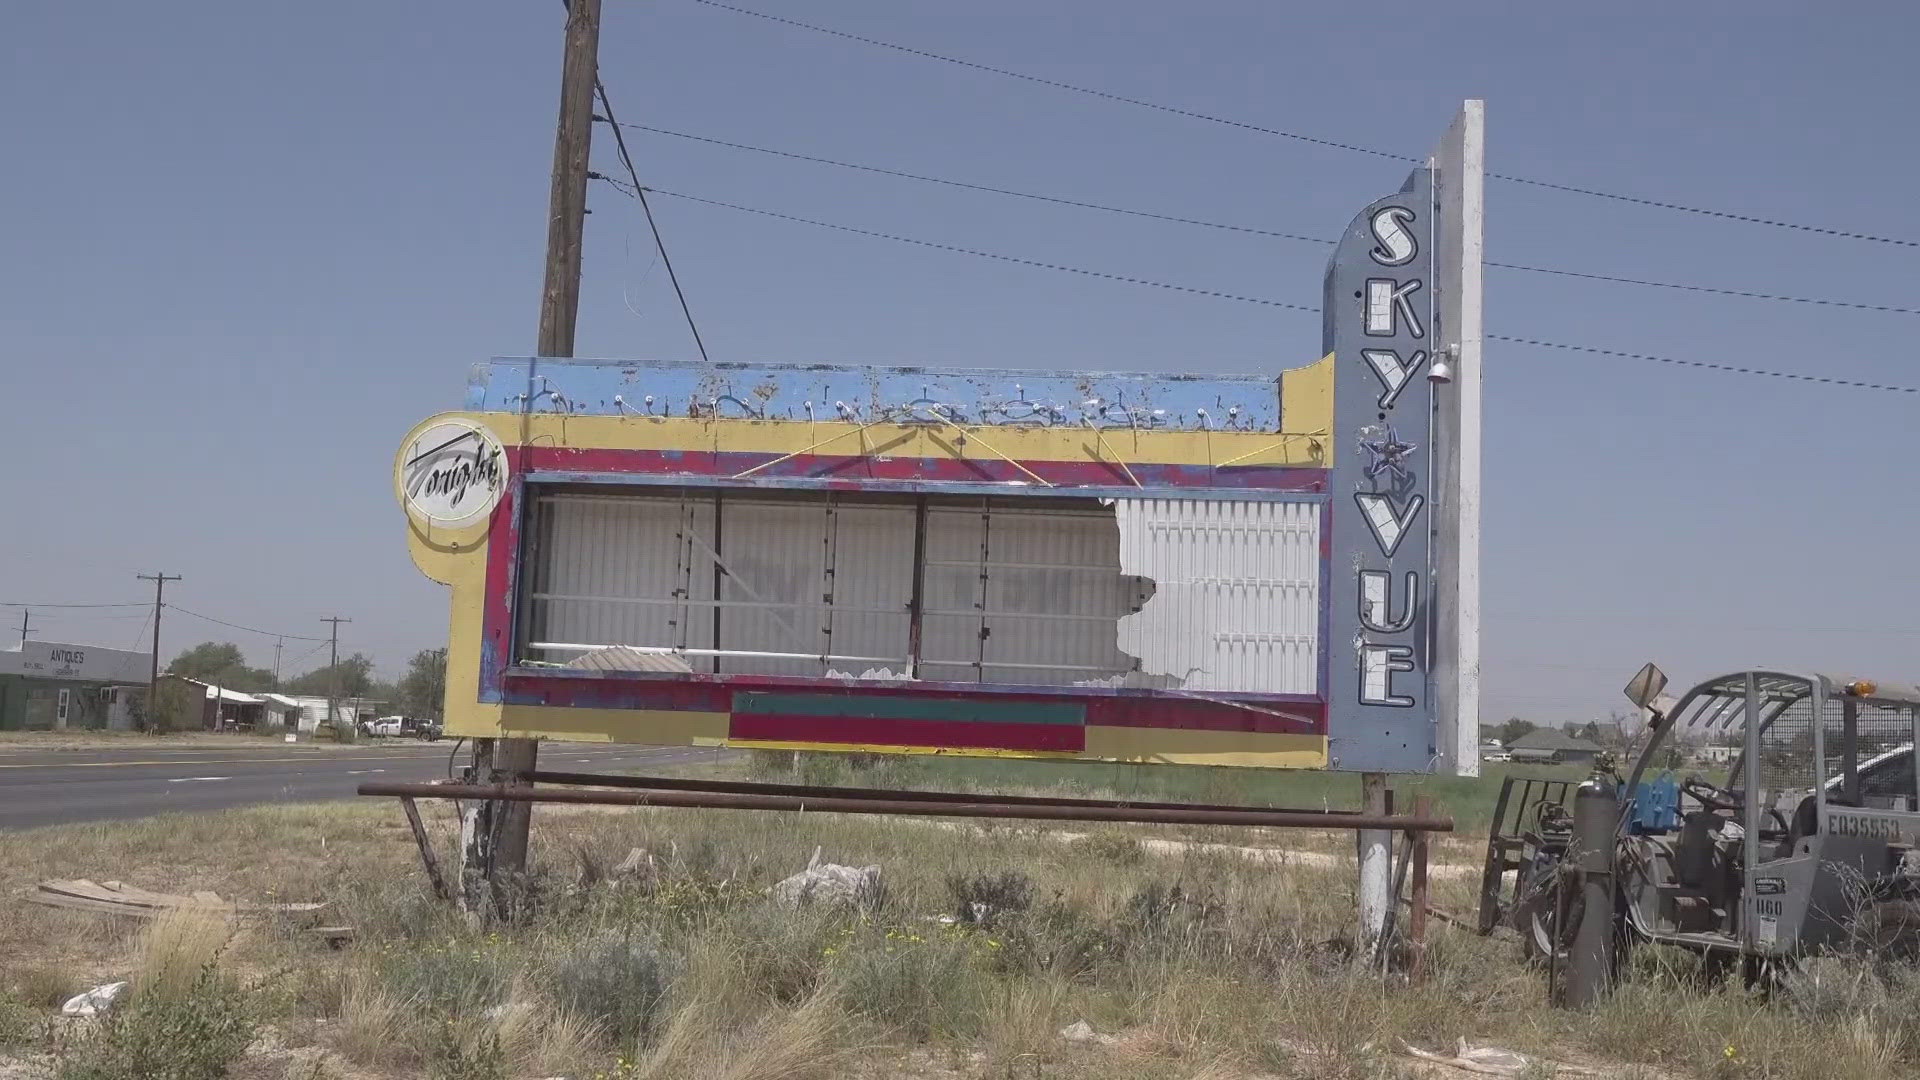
(1807, 842)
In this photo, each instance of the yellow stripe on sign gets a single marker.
(1168, 746)
(1025, 444)
(659, 727)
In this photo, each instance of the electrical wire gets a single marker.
(1247, 229)
(248, 629)
(640, 193)
(1298, 137)
(136, 603)
(1707, 365)
(992, 255)
(1535, 342)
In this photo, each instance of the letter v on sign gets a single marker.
(1388, 523)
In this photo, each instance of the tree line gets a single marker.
(418, 692)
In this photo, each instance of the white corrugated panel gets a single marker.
(639, 570)
(872, 586)
(619, 570)
(1044, 585)
(773, 585)
(1236, 604)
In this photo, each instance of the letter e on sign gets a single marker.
(451, 473)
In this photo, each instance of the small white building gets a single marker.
(313, 710)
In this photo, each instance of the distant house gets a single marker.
(349, 710)
(281, 711)
(1549, 745)
(1716, 755)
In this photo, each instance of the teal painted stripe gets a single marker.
(904, 708)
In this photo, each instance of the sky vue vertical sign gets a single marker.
(1379, 325)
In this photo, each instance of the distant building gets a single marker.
(1550, 745)
(59, 686)
(281, 711)
(1716, 755)
(313, 710)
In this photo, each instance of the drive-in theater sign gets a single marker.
(1161, 567)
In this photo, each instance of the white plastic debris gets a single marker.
(636, 861)
(95, 1001)
(831, 884)
(1486, 1060)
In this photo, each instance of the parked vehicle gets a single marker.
(1806, 843)
(390, 726)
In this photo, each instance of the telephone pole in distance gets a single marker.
(159, 579)
(333, 671)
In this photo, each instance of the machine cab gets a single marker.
(1812, 823)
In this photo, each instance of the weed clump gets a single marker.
(613, 982)
(986, 899)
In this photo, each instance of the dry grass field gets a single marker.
(1185, 961)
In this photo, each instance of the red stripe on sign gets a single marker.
(1305, 717)
(961, 734)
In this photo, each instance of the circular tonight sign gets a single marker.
(452, 473)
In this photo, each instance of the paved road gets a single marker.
(52, 787)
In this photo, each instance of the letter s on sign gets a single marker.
(1394, 245)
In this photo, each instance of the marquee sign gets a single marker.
(1271, 570)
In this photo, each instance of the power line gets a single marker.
(237, 626)
(1732, 368)
(14, 603)
(640, 194)
(1248, 229)
(992, 255)
(1298, 137)
(1536, 342)
(1106, 95)
(984, 187)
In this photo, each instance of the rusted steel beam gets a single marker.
(743, 787)
(1292, 819)
(427, 856)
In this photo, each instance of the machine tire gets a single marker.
(1536, 915)
(1889, 931)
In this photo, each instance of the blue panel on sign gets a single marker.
(877, 394)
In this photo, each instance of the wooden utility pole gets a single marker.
(333, 675)
(496, 849)
(159, 580)
(25, 616)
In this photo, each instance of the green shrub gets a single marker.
(458, 1057)
(613, 982)
(19, 1026)
(451, 977)
(987, 899)
(916, 984)
(193, 1036)
(1112, 847)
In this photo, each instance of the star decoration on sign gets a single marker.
(1386, 453)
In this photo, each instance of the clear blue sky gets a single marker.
(246, 245)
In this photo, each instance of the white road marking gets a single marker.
(363, 772)
(196, 779)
